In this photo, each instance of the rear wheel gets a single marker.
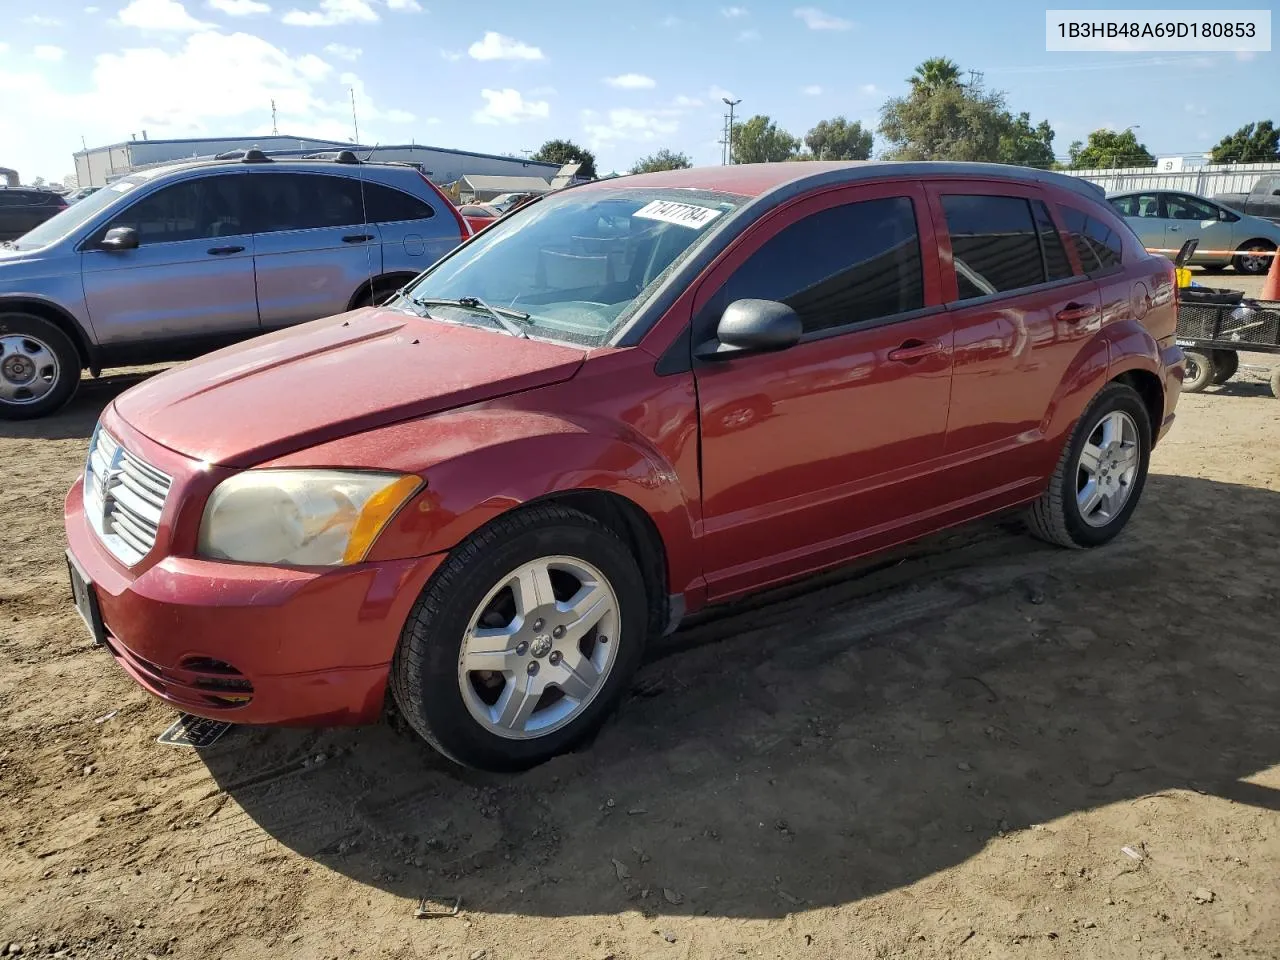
(523, 641)
(1225, 365)
(1199, 371)
(39, 367)
(1100, 474)
(1248, 259)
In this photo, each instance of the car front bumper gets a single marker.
(252, 644)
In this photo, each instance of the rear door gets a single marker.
(313, 247)
(1020, 313)
(190, 278)
(810, 452)
(413, 232)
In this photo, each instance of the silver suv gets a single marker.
(169, 263)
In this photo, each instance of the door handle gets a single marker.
(913, 350)
(357, 238)
(1075, 312)
(223, 251)
(1173, 229)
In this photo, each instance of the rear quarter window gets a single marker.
(1099, 246)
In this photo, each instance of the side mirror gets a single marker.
(120, 238)
(753, 326)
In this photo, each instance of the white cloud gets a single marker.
(733, 12)
(508, 106)
(870, 89)
(453, 56)
(49, 54)
(37, 20)
(407, 6)
(240, 8)
(748, 36)
(343, 52)
(495, 46)
(816, 19)
(630, 125)
(159, 15)
(812, 90)
(719, 93)
(631, 81)
(332, 13)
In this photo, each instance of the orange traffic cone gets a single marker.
(1271, 285)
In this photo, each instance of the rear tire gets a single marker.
(1252, 266)
(1225, 365)
(39, 367)
(1110, 448)
(1200, 371)
(486, 604)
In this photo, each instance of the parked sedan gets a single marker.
(626, 402)
(24, 208)
(1165, 220)
(479, 215)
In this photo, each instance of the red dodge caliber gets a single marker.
(623, 402)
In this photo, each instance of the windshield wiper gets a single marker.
(501, 315)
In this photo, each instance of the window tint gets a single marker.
(1056, 263)
(1096, 244)
(1137, 205)
(388, 205)
(1181, 207)
(994, 244)
(848, 264)
(196, 209)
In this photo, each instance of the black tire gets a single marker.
(1254, 267)
(1225, 365)
(375, 292)
(424, 673)
(1275, 383)
(65, 375)
(1055, 517)
(1200, 371)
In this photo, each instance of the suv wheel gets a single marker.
(1100, 475)
(39, 367)
(523, 641)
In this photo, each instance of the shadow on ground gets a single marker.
(855, 734)
(78, 417)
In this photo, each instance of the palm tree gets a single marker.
(935, 73)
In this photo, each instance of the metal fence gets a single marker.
(1206, 181)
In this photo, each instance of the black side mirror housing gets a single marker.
(753, 326)
(120, 238)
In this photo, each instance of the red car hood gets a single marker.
(298, 387)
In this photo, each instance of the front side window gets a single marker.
(995, 245)
(201, 208)
(1137, 205)
(78, 214)
(842, 266)
(577, 264)
(1179, 206)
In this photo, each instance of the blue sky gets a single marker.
(502, 76)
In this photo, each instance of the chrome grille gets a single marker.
(123, 498)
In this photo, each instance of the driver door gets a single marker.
(828, 448)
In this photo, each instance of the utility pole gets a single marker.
(275, 130)
(354, 122)
(731, 104)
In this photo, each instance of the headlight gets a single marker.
(301, 517)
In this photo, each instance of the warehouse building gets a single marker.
(98, 166)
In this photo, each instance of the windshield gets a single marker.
(78, 213)
(577, 263)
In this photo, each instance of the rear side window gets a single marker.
(1137, 205)
(845, 265)
(389, 205)
(1096, 244)
(995, 244)
(1056, 264)
(312, 201)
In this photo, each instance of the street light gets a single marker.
(731, 104)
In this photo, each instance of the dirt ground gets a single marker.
(977, 747)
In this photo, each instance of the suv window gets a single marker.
(849, 264)
(1137, 205)
(995, 244)
(196, 209)
(1179, 206)
(1096, 244)
(1056, 263)
(311, 201)
(20, 198)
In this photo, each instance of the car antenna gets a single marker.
(364, 214)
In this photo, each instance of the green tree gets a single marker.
(760, 140)
(566, 151)
(934, 74)
(663, 159)
(1026, 145)
(1107, 149)
(1252, 143)
(839, 139)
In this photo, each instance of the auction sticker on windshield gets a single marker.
(681, 214)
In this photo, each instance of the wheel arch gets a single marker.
(60, 318)
(1150, 388)
(383, 283)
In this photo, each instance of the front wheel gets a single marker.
(1252, 259)
(1100, 474)
(39, 367)
(523, 641)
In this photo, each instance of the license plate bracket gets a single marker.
(86, 600)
